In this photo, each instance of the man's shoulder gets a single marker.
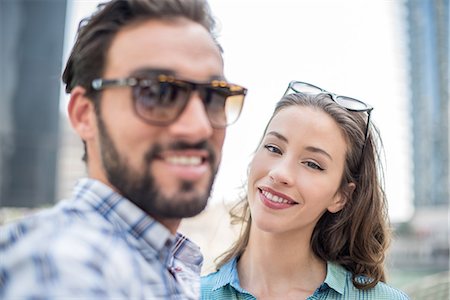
(50, 248)
(60, 225)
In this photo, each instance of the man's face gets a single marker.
(168, 170)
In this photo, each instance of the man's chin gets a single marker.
(171, 217)
(182, 208)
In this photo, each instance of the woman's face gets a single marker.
(296, 172)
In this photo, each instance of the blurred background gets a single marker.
(392, 54)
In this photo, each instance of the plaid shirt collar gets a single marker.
(147, 233)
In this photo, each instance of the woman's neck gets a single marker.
(280, 265)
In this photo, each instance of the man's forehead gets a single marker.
(149, 72)
(182, 48)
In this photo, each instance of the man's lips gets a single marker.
(185, 158)
(190, 165)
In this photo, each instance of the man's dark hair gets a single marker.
(95, 34)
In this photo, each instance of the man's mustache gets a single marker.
(156, 150)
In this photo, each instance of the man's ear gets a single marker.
(81, 113)
(341, 198)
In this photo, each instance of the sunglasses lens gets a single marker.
(223, 106)
(160, 102)
(233, 108)
(300, 87)
(351, 104)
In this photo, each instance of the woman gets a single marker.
(314, 219)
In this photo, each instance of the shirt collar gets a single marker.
(188, 252)
(336, 277)
(227, 274)
(124, 214)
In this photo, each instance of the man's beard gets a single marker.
(142, 189)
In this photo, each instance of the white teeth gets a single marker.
(275, 198)
(184, 160)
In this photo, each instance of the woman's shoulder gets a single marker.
(210, 280)
(341, 280)
(207, 285)
(223, 276)
(214, 287)
(385, 291)
(223, 284)
(381, 291)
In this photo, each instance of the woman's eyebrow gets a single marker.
(318, 150)
(278, 135)
(309, 148)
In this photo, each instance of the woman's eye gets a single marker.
(273, 149)
(313, 165)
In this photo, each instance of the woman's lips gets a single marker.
(275, 200)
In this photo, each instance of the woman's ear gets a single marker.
(81, 113)
(341, 198)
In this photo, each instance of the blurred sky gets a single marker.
(350, 47)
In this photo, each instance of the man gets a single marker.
(149, 100)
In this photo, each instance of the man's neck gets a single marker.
(171, 224)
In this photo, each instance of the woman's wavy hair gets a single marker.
(87, 60)
(356, 237)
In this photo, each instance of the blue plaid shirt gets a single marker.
(98, 245)
(224, 285)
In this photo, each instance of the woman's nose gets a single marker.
(281, 174)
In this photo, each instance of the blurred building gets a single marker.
(429, 85)
(422, 245)
(31, 37)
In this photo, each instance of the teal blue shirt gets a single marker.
(224, 284)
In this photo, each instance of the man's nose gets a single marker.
(193, 124)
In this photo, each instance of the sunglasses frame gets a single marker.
(146, 79)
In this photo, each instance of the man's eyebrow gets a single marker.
(153, 71)
(318, 150)
(160, 71)
(217, 77)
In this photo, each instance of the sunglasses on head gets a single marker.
(159, 99)
(348, 103)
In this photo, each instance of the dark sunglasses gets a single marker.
(159, 99)
(348, 103)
